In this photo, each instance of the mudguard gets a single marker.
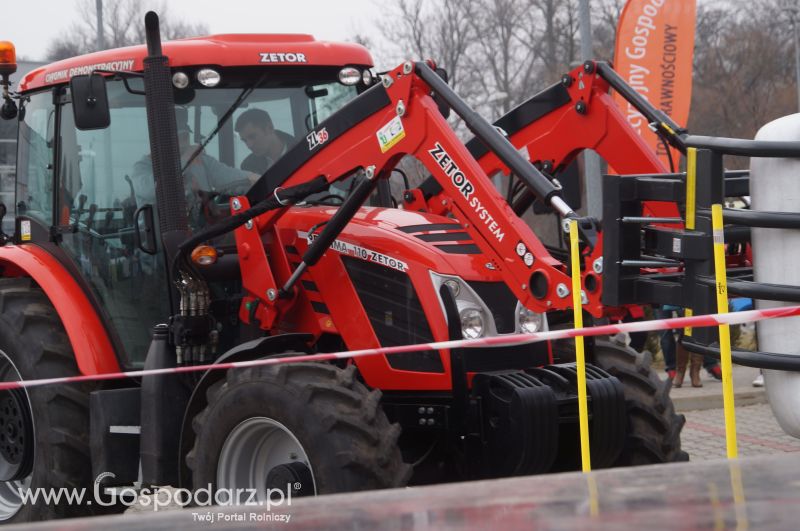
(94, 352)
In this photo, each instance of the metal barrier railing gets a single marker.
(685, 255)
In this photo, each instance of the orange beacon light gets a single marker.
(8, 59)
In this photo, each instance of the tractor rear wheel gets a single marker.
(307, 428)
(44, 431)
(654, 429)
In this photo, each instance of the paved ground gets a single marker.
(757, 433)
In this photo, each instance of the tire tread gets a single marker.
(653, 426)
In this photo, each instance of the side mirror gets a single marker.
(90, 102)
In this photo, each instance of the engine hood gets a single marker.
(398, 239)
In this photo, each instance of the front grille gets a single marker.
(501, 302)
(444, 232)
(395, 313)
(428, 227)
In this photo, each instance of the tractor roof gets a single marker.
(219, 50)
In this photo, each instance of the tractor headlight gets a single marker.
(366, 77)
(475, 318)
(349, 76)
(472, 323)
(208, 77)
(529, 321)
(180, 80)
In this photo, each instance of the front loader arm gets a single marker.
(554, 126)
(586, 118)
(403, 119)
(506, 241)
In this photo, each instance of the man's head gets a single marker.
(256, 131)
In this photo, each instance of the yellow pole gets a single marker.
(691, 205)
(583, 408)
(724, 330)
(691, 187)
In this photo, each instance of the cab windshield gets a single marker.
(228, 135)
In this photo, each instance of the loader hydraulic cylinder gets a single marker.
(659, 118)
(333, 227)
(543, 187)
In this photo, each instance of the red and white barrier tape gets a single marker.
(697, 321)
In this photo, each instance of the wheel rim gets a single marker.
(10, 500)
(263, 455)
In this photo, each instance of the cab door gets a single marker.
(99, 193)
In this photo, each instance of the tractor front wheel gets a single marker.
(295, 429)
(654, 429)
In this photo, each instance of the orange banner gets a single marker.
(653, 54)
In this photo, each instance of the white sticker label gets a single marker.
(25, 230)
(676, 245)
(317, 138)
(360, 252)
(390, 134)
(63, 75)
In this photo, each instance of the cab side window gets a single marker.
(34, 192)
(331, 97)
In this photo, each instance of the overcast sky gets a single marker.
(31, 24)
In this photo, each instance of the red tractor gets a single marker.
(139, 242)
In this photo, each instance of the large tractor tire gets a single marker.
(310, 426)
(654, 429)
(44, 431)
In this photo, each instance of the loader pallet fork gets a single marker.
(649, 264)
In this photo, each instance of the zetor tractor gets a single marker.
(138, 243)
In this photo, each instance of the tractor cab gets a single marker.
(85, 188)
